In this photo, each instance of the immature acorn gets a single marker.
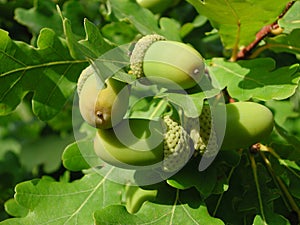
(246, 124)
(172, 64)
(141, 142)
(131, 143)
(101, 105)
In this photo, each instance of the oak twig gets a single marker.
(265, 31)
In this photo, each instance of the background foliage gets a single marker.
(45, 44)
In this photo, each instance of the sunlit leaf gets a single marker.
(255, 78)
(236, 21)
(291, 19)
(57, 203)
(186, 208)
(46, 152)
(143, 20)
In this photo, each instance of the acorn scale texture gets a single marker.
(203, 133)
(177, 146)
(138, 53)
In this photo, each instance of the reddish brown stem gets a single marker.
(266, 30)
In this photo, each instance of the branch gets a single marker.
(265, 31)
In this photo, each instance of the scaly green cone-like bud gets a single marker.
(203, 133)
(177, 146)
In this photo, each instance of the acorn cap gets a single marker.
(204, 137)
(177, 146)
(138, 53)
(85, 74)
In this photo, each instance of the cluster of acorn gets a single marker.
(131, 142)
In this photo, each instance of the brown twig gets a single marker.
(266, 30)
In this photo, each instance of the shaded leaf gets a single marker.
(143, 20)
(50, 74)
(209, 180)
(43, 14)
(255, 78)
(289, 137)
(46, 152)
(284, 43)
(282, 110)
(271, 218)
(119, 32)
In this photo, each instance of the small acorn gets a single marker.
(171, 64)
(101, 105)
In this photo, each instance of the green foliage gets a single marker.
(182, 207)
(47, 177)
(69, 202)
(237, 22)
(256, 78)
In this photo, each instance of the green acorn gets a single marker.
(141, 145)
(171, 144)
(247, 123)
(101, 105)
(171, 64)
(177, 146)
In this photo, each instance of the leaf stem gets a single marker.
(221, 196)
(42, 65)
(234, 55)
(273, 153)
(282, 186)
(254, 170)
(271, 171)
(161, 104)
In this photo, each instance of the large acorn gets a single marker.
(171, 64)
(247, 123)
(141, 142)
(133, 142)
